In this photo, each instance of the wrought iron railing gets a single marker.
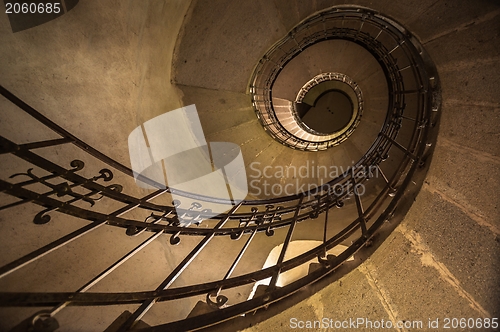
(291, 121)
(386, 40)
(67, 190)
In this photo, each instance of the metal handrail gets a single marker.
(249, 218)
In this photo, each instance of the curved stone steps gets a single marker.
(353, 151)
(374, 87)
(342, 56)
(291, 79)
(218, 110)
(336, 160)
(365, 134)
(264, 172)
(375, 111)
(328, 56)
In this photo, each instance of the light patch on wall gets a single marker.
(295, 248)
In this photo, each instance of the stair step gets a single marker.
(122, 319)
(291, 79)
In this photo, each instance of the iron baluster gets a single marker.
(145, 306)
(274, 279)
(359, 205)
(271, 218)
(399, 146)
(220, 299)
(325, 228)
(245, 222)
(51, 313)
(316, 208)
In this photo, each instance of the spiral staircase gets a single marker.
(86, 249)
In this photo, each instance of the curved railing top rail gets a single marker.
(249, 218)
(300, 38)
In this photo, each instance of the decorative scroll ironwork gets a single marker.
(247, 220)
(64, 188)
